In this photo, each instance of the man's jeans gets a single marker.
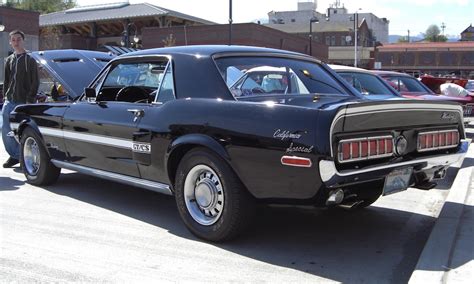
(12, 147)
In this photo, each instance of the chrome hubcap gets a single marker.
(203, 195)
(31, 156)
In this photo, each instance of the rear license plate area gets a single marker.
(398, 180)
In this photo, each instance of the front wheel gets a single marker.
(35, 161)
(211, 199)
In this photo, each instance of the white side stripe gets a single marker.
(91, 138)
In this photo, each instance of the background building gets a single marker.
(336, 29)
(148, 26)
(468, 34)
(435, 58)
(242, 34)
(90, 27)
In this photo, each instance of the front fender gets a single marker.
(18, 128)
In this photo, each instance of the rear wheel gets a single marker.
(211, 199)
(35, 161)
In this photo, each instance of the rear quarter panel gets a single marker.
(255, 136)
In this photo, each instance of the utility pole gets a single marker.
(356, 24)
(443, 26)
(311, 21)
(230, 22)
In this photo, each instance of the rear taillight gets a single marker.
(435, 140)
(365, 148)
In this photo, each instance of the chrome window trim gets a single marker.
(142, 183)
(347, 92)
(168, 66)
(123, 59)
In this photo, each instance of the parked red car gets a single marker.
(434, 82)
(410, 87)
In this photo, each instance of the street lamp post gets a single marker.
(311, 21)
(126, 35)
(356, 25)
(230, 22)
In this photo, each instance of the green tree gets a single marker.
(43, 6)
(433, 34)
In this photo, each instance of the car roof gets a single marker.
(339, 68)
(209, 50)
(384, 72)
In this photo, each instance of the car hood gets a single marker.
(73, 69)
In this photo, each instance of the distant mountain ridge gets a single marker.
(394, 38)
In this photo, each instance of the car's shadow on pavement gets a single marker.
(373, 243)
(10, 183)
(447, 182)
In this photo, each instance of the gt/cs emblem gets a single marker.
(141, 147)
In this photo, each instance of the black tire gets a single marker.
(236, 211)
(42, 173)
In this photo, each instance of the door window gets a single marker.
(135, 82)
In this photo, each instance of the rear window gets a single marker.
(253, 76)
(407, 84)
(366, 84)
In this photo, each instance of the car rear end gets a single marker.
(385, 147)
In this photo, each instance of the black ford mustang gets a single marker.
(201, 123)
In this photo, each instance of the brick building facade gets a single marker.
(242, 34)
(435, 58)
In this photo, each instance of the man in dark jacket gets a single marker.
(19, 87)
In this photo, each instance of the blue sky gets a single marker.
(403, 14)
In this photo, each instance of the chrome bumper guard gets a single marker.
(332, 177)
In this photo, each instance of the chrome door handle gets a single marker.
(136, 113)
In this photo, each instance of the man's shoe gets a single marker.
(10, 163)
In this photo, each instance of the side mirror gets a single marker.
(90, 93)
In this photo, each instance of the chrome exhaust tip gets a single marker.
(350, 205)
(335, 197)
(441, 174)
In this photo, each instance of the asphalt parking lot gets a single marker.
(90, 230)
